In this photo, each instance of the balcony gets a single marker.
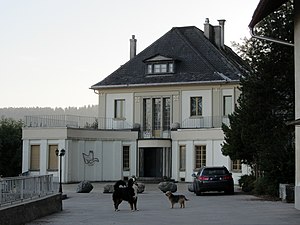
(73, 121)
(205, 122)
(113, 124)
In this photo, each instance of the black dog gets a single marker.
(123, 192)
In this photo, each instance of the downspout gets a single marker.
(269, 39)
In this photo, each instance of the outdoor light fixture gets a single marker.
(60, 153)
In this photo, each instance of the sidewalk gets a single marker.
(96, 208)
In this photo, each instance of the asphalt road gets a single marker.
(96, 208)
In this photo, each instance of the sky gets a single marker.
(53, 51)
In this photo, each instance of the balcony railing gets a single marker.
(75, 122)
(157, 132)
(205, 122)
(115, 124)
(18, 189)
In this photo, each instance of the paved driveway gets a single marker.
(154, 208)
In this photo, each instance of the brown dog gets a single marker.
(176, 199)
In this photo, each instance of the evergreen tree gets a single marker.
(10, 147)
(258, 134)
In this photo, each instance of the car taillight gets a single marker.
(227, 177)
(203, 178)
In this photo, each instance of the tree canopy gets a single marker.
(10, 147)
(258, 134)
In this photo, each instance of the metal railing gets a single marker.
(205, 122)
(19, 189)
(157, 132)
(76, 122)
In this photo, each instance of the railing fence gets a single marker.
(18, 189)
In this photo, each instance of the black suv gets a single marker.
(216, 178)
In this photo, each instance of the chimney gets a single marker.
(132, 47)
(208, 31)
(215, 34)
(221, 23)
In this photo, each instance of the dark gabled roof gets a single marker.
(197, 61)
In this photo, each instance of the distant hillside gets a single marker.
(20, 113)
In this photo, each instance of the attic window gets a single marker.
(159, 68)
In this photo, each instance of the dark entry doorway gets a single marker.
(151, 162)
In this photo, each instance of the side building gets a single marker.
(160, 115)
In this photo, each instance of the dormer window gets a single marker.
(159, 65)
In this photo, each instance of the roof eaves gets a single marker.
(263, 9)
(95, 87)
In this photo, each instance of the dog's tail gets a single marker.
(119, 184)
(186, 199)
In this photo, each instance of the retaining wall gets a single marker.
(21, 213)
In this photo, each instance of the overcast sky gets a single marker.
(53, 51)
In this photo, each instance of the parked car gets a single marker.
(213, 179)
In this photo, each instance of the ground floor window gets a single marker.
(236, 165)
(126, 166)
(182, 157)
(200, 156)
(52, 158)
(34, 157)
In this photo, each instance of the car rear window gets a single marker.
(214, 171)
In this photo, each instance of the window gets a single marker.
(236, 165)
(196, 106)
(156, 113)
(200, 156)
(227, 105)
(166, 113)
(52, 158)
(120, 109)
(182, 157)
(126, 166)
(35, 157)
(156, 68)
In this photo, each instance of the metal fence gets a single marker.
(18, 189)
(205, 122)
(76, 122)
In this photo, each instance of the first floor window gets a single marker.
(182, 157)
(35, 157)
(52, 158)
(227, 105)
(200, 156)
(126, 166)
(119, 108)
(196, 106)
(236, 165)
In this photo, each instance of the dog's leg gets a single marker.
(135, 204)
(117, 203)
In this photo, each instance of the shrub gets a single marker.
(246, 182)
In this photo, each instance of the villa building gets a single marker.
(160, 115)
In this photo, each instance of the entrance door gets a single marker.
(151, 162)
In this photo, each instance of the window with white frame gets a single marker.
(200, 156)
(35, 157)
(126, 165)
(160, 68)
(119, 109)
(182, 157)
(227, 105)
(236, 165)
(196, 106)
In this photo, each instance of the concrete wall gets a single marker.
(22, 213)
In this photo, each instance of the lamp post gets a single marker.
(60, 153)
